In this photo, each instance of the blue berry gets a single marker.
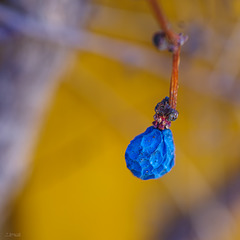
(150, 155)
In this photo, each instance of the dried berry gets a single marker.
(150, 155)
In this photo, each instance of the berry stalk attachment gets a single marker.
(151, 154)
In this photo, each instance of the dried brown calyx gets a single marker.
(164, 115)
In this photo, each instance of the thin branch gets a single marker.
(172, 37)
(176, 41)
(174, 79)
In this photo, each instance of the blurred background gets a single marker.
(79, 79)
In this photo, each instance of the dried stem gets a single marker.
(175, 40)
(174, 79)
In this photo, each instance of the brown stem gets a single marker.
(174, 39)
(174, 79)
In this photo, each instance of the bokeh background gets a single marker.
(102, 93)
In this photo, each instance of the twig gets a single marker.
(176, 41)
(172, 37)
(174, 79)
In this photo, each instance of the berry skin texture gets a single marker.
(151, 154)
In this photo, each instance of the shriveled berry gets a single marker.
(151, 154)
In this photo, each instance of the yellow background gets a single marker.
(80, 187)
